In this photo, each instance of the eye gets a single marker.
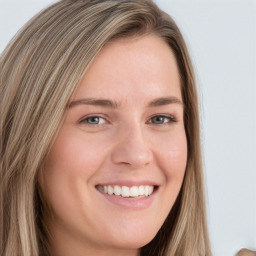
(161, 119)
(93, 120)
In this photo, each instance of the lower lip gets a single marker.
(130, 203)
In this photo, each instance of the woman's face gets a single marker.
(118, 162)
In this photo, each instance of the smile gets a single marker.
(124, 191)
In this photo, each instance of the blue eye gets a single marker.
(161, 119)
(93, 120)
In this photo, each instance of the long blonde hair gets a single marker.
(40, 70)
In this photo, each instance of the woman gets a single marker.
(100, 149)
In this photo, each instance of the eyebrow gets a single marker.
(165, 101)
(95, 102)
(112, 104)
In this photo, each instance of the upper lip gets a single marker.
(129, 183)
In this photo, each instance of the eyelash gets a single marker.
(167, 120)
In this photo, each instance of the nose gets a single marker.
(132, 149)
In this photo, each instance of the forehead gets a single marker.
(127, 67)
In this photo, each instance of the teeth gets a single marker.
(117, 190)
(134, 191)
(110, 190)
(150, 190)
(141, 190)
(124, 191)
(146, 190)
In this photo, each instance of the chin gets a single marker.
(133, 238)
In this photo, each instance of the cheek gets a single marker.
(174, 157)
(174, 162)
(68, 173)
(69, 168)
(75, 155)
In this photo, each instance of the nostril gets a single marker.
(132, 151)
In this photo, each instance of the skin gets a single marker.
(126, 143)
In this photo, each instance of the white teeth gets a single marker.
(141, 190)
(146, 190)
(134, 191)
(117, 190)
(150, 190)
(124, 191)
(110, 190)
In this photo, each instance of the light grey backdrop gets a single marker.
(221, 36)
